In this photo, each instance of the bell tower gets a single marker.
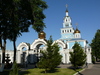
(67, 30)
(67, 20)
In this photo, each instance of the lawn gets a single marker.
(59, 71)
(6, 72)
(37, 71)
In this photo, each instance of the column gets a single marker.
(18, 57)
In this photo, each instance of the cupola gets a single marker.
(66, 10)
(42, 35)
(76, 31)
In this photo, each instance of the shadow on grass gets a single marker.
(50, 71)
(75, 69)
(23, 72)
(79, 72)
(20, 72)
(4, 73)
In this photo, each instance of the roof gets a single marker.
(73, 39)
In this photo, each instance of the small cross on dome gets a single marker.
(76, 25)
(66, 5)
(67, 9)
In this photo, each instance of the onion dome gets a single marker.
(66, 10)
(76, 31)
(42, 35)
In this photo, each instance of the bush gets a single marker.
(14, 70)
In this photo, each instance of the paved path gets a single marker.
(93, 69)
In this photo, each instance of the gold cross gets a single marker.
(66, 5)
(76, 25)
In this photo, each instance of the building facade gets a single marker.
(69, 35)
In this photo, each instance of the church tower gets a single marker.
(67, 30)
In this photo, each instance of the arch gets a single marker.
(22, 45)
(21, 55)
(62, 51)
(38, 43)
(61, 44)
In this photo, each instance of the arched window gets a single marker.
(76, 36)
(67, 30)
(62, 31)
(89, 50)
(70, 30)
(66, 20)
(34, 50)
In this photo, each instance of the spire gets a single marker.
(66, 10)
(67, 19)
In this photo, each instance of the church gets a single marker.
(69, 36)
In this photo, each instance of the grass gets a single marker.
(59, 71)
(5, 72)
(37, 71)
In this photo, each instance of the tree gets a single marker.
(14, 70)
(78, 57)
(51, 57)
(95, 45)
(18, 15)
(3, 27)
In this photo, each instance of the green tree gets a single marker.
(51, 57)
(17, 15)
(3, 27)
(95, 45)
(14, 70)
(78, 57)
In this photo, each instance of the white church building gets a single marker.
(69, 36)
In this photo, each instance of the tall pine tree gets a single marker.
(95, 45)
(51, 57)
(78, 57)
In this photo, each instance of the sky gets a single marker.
(84, 12)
